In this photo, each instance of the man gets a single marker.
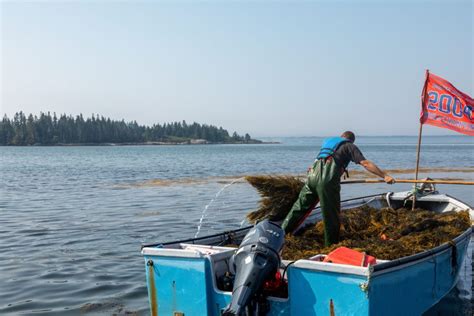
(323, 185)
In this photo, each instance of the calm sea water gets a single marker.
(72, 219)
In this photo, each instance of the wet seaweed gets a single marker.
(386, 234)
(278, 193)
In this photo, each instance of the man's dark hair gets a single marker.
(349, 135)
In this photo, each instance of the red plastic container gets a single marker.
(344, 255)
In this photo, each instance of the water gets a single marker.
(73, 219)
(204, 212)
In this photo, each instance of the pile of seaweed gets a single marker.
(386, 233)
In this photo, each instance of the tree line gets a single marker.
(47, 129)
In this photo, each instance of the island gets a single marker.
(67, 130)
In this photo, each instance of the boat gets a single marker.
(186, 277)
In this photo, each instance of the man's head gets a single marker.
(349, 135)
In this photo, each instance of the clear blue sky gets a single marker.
(286, 68)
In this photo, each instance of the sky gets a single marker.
(268, 68)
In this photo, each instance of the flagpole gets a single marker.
(423, 94)
(417, 163)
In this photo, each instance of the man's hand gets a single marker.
(372, 168)
(388, 179)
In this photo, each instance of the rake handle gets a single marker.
(410, 181)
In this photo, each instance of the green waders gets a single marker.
(322, 185)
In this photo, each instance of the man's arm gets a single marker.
(371, 167)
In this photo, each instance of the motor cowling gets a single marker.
(256, 261)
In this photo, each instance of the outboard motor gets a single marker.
(256, 261)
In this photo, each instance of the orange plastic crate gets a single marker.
(344, 255)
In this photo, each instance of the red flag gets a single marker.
(445, 106)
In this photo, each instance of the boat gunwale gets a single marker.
(192, 240)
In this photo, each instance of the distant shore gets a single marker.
(69, 130)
